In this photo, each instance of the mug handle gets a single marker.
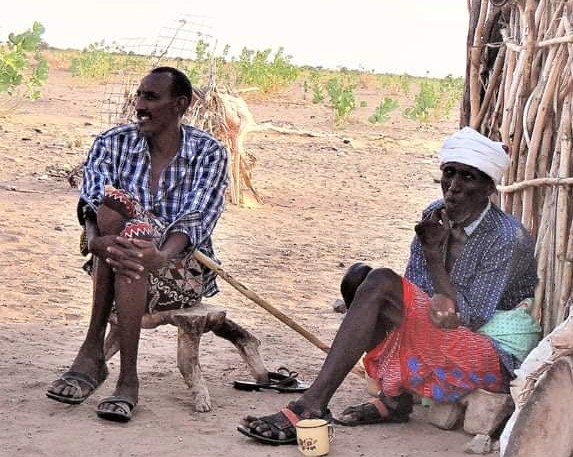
(330, 433)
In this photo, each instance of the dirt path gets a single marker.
(327, 205)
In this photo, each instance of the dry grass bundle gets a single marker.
(518, 90)
(228, 119)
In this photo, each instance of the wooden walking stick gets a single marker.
(214, 266)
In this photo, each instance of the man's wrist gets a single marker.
(433, 253)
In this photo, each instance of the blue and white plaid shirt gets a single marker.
(191, 192)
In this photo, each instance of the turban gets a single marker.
(472, 148)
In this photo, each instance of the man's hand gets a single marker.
(443, 312)
(148, 253)
(130, 258)
(432, 231)
(98, 245)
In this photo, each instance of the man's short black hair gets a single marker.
(181, 85)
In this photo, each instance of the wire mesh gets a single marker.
(175, 45)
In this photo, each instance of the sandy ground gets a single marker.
(327, 205)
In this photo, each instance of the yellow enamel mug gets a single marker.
(314, 436)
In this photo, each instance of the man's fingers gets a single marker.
(124, 252)
(444, 318)
(436, 320)
(435, 216)
(444, 217)
(124, 242)
(126, 267)
(142, 243)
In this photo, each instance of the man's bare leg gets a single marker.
(376, 306)
(90, 358)
(130, 301)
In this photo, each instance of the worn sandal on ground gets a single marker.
(389, 410)
(123, 408)
(284, 421)
(282, 380)
(79, 382)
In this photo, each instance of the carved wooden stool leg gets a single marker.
(190, 328)
(247, 344)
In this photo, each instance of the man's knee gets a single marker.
(109, 221)
(352, 280)
(382, 281)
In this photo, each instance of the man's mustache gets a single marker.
(142, 113)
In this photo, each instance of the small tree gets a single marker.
(22, 64)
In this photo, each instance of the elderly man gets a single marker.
(152, 193)
(468, 263)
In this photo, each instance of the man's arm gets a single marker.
(432, 232)
(97, 173)
(204, 203)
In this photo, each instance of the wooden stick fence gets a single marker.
(518, 90)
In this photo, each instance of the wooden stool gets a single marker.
(191, 324)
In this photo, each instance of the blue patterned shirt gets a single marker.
(190, 195)
(495, 270)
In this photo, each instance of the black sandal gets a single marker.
(283, 421)
(283, 380)
(380, 410)
(76, 380)
(123, 408)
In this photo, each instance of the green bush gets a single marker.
(342, 100)
(22, 64)
(382, 111)
(314, 85)
(97, 61)
(435, 99)
(268, 73)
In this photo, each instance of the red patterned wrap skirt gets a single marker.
(440, 364)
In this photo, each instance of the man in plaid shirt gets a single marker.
(152, 193)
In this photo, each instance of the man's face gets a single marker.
(156, 109)
(466, 191)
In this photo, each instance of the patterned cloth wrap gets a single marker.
(515, 330)
(436, 363)
(179, 284)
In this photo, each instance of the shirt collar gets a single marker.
(469, 229)
(142, 145)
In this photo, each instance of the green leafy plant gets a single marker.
(314, 85)
(198, 69)
(435, 99)
(452, 90)
(342, 99)
(317, 94)
(267, 72)
(382, 111)
(396, 84)
(22, 63)
(97, 61)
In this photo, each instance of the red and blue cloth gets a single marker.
(440, 364)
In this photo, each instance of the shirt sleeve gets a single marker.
(98, 172)
(204, 203)
(416, 265)
(417, 268)
(478, 301)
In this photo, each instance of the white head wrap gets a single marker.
(472, 148)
